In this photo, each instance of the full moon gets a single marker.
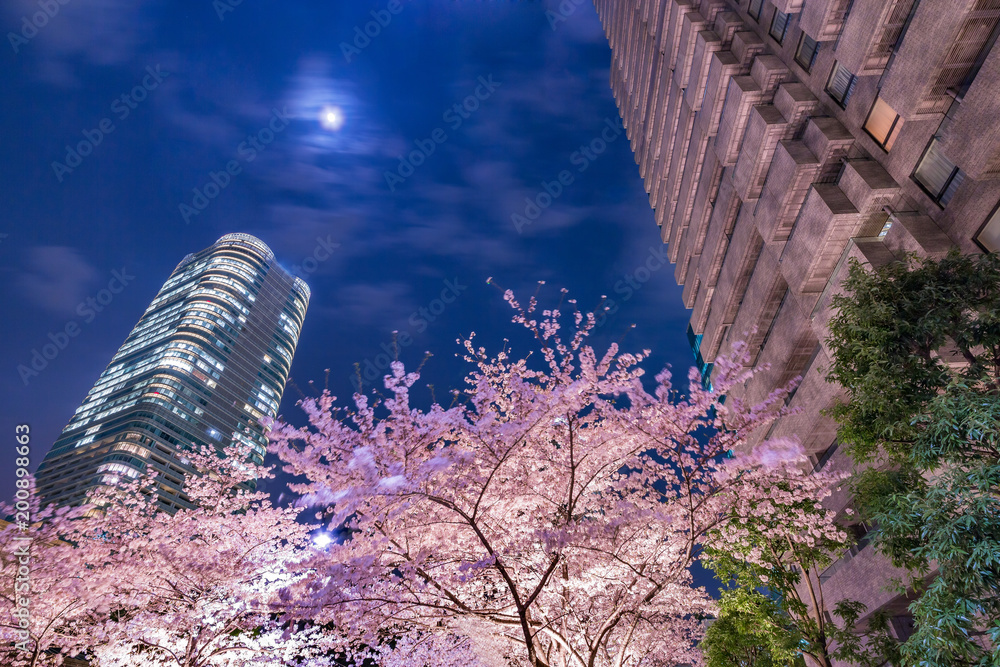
(332, 118)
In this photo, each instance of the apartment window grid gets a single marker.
(936, 175)
(899, 40)
(890, 33)
(805, 54)
(883, 124)
(988, 236)
(863, 534)
(969, 50)
(774, 320)
(903, 626)
(779, 25)
(820, 459)
(755, 8)
(841, 84)
(843, 21)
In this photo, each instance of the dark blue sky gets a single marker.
(201, 93)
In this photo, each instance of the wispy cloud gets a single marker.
(55, 279)
(83, 32)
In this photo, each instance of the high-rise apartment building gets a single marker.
(777, 139)
(208, 359)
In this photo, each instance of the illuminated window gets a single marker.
(779, 25)
(883, 124)
(885, 228)
(141, 452)
(841, 84)
(805, 54)
(937, 175)
(989, 236)
(119, 468)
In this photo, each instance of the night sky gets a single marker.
(121, 118)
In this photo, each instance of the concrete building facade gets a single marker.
(207, 360)
(777, 139)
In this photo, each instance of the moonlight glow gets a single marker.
(332, 118)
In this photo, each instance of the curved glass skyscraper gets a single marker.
(208, 359)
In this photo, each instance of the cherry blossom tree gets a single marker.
(50, 598)
(131, 584)
(548, 517)
(201, 581)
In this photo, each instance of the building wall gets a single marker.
(208, 359)
(765, 177)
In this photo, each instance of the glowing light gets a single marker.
(322, 540)
(332, 118)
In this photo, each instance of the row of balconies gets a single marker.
(661, 45)
(731, 149)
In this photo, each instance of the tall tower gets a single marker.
(778, 139)
(208, 359)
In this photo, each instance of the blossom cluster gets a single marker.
(552, 511)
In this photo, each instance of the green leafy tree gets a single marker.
(769, 557)
(750, 631)
(917, 346)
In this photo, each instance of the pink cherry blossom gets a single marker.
(548, 516)
(129, 584)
